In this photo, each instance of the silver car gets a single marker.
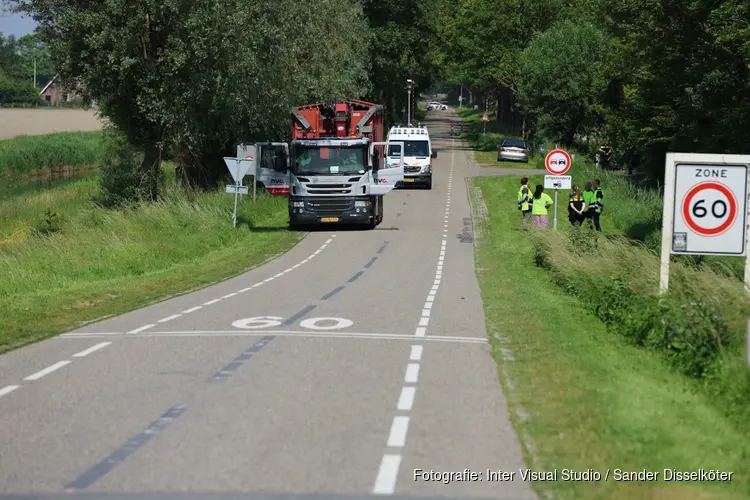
(513, 150)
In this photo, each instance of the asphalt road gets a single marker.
(340, 368)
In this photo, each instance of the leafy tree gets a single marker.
(401, 33)
(202, 75)
(563, 73)
(31, 49)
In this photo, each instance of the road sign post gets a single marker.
(557, 162)
(485, 119)
(239, 167)
(705, 208)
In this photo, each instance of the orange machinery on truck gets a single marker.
(334, 169)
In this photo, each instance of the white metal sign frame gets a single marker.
(727, 205)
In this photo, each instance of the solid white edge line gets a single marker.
(385, 483)
(430, 298)
(8, 389)
(229, 295)
(88, 351)
(48, 370)
(399, 428)
(412, 373)
(428, 305)
(142, 328)
(193, 309)
(211, 302)
(406, 398)
(416, 353)
(169, 318)
(426, 313)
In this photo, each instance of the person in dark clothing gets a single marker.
(597, 206)
(605, 155)
(576, 207)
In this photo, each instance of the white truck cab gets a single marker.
(418, 154)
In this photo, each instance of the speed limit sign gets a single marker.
(709, 211)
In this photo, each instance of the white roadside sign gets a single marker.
(558, 182)
(236, 189)
(705, 207)
(709, 209)
(240, 167)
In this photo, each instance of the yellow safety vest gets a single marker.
(540, 205)
(524, 199)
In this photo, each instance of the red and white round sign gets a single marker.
(709, 208)
(557, 161)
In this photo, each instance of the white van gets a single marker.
(418, 154)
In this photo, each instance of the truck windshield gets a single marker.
(317, 160)
(411, 148)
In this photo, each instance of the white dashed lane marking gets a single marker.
(88, 351)
(48, 370)
(385, 482)
(8, 389)
(142, 328)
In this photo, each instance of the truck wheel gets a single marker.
(429, 184)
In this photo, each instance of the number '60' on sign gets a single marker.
(709, 208)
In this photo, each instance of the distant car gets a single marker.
(513, 150)
(443, 106)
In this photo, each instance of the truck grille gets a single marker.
(329, 188)
(412, 169)
(332, 205)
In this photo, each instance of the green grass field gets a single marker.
(593, 398)
(29, 159)
(64, 261)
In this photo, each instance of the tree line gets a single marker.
(190, 79)
(17, 60)
(650, 76)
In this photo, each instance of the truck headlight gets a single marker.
(426, 168)
(361, 203)
(299, 204)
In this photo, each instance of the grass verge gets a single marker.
(589, 397)
(40, 157)
(64, 261)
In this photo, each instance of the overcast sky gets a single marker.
(15, 24)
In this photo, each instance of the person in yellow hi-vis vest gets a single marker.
(524, 201)
(540, 206)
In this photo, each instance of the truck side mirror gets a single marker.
(434, 154)
(375, 162)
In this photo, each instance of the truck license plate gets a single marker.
(329, 219)
(408, 179)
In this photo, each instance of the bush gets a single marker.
(121, 180)
(692, 325)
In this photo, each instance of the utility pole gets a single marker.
(409, 116)
(35, 75)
